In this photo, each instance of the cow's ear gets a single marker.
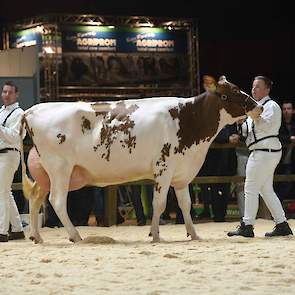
(209, 83)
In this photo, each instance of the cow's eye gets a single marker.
(235, 90)
(223, 97)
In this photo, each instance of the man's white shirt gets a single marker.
(268, 125)
(10, 133)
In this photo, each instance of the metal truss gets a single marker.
(107, 20)
(52, 24)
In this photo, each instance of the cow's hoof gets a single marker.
(156, 240)
(195, 238)
(75, 240)
(150, 234)
(36, 240)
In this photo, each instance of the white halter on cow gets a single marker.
(164, 139)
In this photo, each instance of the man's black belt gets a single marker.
(267, 150)
(3, 151)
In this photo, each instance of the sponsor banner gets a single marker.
(25, 38)
(89, 38)
(110, 39)
(154, 40)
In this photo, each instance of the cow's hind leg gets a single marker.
(58, 198)
(184, 202)
(159, 204)
(35, 204)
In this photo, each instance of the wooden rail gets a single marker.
(200, 179)
(110, 197)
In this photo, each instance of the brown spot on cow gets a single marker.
(174, 113)
(61, 137)
(157, 184)
(86, 124)
(161, 165)
(164, 153)
(192, 117)
(158, 187)
(123, 126)
(29, 130)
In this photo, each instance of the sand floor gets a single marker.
(122, 260)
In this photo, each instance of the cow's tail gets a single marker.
(29, 186)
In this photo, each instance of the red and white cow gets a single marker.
(164, 139)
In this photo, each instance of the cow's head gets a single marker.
(236, 102)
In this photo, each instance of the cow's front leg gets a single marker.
(36, 200)
(184, 202)
(159, 205)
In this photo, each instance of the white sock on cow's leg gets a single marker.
(155, 233)
(184, 202)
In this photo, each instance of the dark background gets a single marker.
(240, 39)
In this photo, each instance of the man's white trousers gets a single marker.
(8, 210)
(259, 181)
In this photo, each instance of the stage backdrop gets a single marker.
(100, 61)
(110, 56)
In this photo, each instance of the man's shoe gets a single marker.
(18, 235)
(243, 230)
(281, 229)
(3, 238)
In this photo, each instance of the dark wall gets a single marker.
(237, 38)
(241, 60)
(242, 39)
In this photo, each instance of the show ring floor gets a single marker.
(122, 260)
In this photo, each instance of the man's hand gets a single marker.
(256, 119)
(241, 121)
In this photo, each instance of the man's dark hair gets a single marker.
(10, 83)
(287, 101)
(266, 80)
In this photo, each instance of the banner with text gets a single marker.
(120, 40)
(25, 38)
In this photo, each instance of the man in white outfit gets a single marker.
(265, 153)
(10, 122)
